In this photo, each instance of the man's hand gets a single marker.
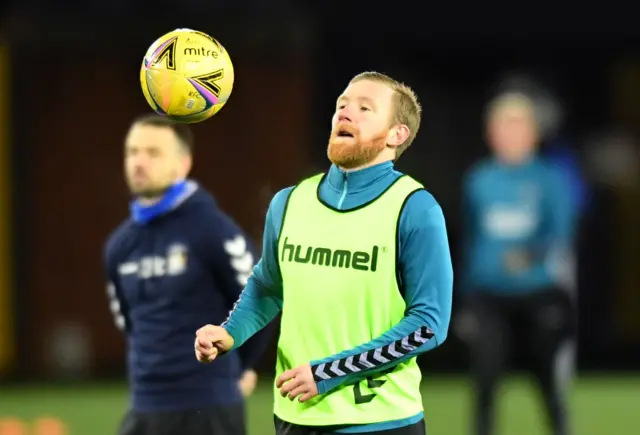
(210, 341)
(298, 382)
(248, 383)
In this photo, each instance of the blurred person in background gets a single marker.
(520, 225)
(558, 147)
(177, 262)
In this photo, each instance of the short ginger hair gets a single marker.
(406, 108)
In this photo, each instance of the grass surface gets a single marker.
(600, 406)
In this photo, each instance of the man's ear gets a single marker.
(187, 164)
(398, 135)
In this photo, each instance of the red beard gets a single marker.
(351, 152)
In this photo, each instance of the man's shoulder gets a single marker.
(282, 196)
(210, 222)
(481, 175)
(314, 179)
(201, 210)
(421, 212)
(419, 197)
(279, 200)
(412, 183)
(480, 168)
(118, 238)
(549, 168)
(420, 202)
(200, 203)
(277, 208)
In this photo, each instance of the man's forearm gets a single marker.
(253, 349)
(411, 337)
(255, 309)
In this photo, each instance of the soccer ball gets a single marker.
(187, 76)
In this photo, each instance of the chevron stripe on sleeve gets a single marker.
(372, 358)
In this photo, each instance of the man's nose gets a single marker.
(139, 164)
(344, 116)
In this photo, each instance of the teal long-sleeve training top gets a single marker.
(527, 208)
(424, 267)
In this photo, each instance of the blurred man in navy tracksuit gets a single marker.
(517, 276)
(176, 263)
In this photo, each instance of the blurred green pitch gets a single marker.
(601, 406)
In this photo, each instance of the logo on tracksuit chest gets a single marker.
(174, 262)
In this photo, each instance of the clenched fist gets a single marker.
(212, 340)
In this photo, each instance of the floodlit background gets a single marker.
(69, 88)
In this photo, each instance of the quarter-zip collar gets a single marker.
(353, 182)
(358, 180)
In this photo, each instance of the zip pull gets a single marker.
(343, 195)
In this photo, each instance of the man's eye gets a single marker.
(340, 107)
(364, 108)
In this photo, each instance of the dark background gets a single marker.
(74, 89)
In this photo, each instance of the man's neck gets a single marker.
(149, 201)
(152, 200)
(516, 161)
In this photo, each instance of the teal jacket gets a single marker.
(424, 266)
